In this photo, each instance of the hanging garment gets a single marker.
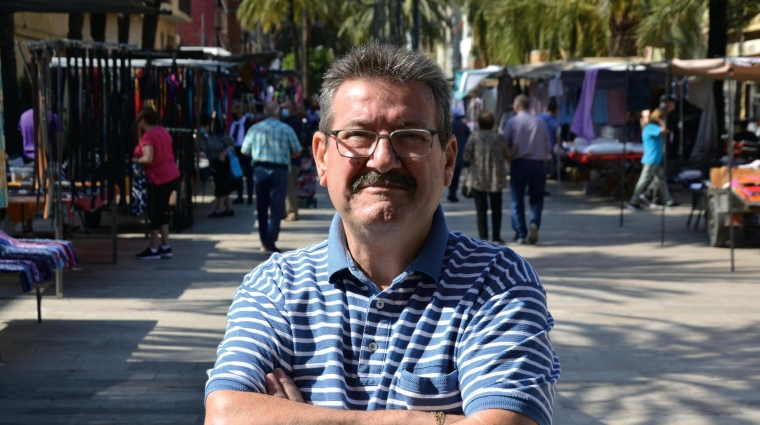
(616, 107)
(139, 191)
(582, 124)
(539, 97)
(638, 92)
(599, 107)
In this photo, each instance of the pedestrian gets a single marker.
(651, 139)
(487, 153)
(215, 147)
(552, 126)
(462, 133)
(528, 139)
(392, 319)
(238, 129)
(155, 153)
(290, 118)
(271, 144)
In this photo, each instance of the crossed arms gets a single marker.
(284, 405)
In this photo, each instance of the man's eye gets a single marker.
(356, 136)
(412, 137)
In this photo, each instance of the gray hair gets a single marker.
(271, 109)
(522, 102)
(390, 63)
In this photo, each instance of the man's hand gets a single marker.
(281, 386)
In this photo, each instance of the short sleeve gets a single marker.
(506, 360)
(295, 144)
(258, 337)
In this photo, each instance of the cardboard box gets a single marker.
(719, 176)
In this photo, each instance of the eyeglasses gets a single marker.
(406, 143)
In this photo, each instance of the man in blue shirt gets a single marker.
(651, 138)
(392, 319)
(552, 126)
(271, 145)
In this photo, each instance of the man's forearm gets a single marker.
(235, 407)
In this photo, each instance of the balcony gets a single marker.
(180, 11)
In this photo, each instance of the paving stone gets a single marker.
(646, 334)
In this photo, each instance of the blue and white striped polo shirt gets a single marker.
(463, 329)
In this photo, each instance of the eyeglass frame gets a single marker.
(388, 136)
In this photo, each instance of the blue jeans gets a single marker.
(271, 190)
(530, 173)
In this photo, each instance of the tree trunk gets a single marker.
(716, 47)
(76, 24)
(294, 34)
(150, 27)
(305, 25)
(11, 103)
(123, 28)
(98, 27)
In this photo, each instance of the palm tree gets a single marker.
(360, 17)
(273, 15)
(676, 26)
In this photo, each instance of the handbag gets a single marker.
(235, 169)
(467, 186)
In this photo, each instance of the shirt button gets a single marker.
(372, 347)
(380, 305)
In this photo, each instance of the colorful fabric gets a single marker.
(465, 328)
(271, 141)
(582, 124)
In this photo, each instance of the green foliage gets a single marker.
(319, 61)
(358, 18)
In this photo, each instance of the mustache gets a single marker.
(392, 179)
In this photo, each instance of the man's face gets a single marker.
(383, 107)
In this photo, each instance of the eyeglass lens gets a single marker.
(408, 143)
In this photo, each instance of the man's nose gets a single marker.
(383, 159)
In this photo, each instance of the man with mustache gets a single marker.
(393, 319)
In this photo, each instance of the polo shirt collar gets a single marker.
(429, 261)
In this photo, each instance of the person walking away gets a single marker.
(462, 133)
(289, 117)
(487, 152)
(651, 137)
(552, 126)
(271, 144)
(528, 139)
(155, 153)
(215, 147)
(237, 132)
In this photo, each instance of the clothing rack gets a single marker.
(88, 87)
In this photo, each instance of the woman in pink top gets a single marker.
(155, 153)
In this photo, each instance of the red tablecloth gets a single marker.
(585, 158)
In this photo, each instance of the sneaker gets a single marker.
(521, 241)
(499, 242)
(292, 217)
(533, 234)
(238, 200)
(216, 214)
(148, 254)
(636, 207)
(165, 253)
(228, 213)
(645, 200)
(250, 201)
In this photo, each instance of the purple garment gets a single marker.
(582, 125)
(26, 127)
(528, 137)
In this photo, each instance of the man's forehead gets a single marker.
(415, 96)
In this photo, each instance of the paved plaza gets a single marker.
(646, 334)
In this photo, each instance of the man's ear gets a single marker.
(319, 147)
(451, 158)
